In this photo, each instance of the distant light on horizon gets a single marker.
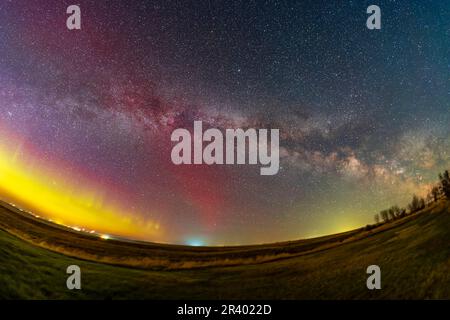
(195, 242)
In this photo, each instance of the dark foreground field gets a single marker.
(413, 253)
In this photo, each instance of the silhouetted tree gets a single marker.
(377, 218)
(415, 204)
(394, 212)
(445, 183)
(384, 215)
(435, 193)
(422, 203)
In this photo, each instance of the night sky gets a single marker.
(86, 115)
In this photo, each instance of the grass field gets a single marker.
(413, 254)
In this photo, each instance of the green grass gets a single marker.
(413, 253)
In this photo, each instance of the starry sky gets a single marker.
(86, 115)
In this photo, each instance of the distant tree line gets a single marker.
(441, 190)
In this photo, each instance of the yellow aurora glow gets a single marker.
(55, 197)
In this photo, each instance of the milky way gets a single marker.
(86, 115)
